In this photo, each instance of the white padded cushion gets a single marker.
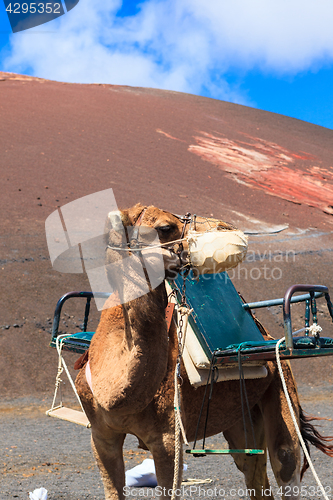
(198, 377)
(195, 351)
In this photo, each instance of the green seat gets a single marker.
(78, 342)
(223, 324)
(218, 318)
(221, 321)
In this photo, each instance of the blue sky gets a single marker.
(275, 55)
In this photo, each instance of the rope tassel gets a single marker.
(183, 312)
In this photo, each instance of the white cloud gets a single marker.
(283, 35)
(184, 45)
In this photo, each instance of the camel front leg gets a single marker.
(163, 451)
(253, 467)
(108, 452)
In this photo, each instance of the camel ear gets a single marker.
(114, 221)
(130, 216)
(117, 219)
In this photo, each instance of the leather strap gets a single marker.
(79, 363)
(168, 314)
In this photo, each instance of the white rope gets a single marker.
(178, 444)
(292, 413)
(179, 430)
(62, 366)
(178, 417)
(315, 329)
(301, 330)
(183, 312)
(130, 249)
(57, 386)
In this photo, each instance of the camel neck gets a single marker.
(143, 314)
(135, 341)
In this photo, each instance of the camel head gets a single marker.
(181, 241)
(148, 232)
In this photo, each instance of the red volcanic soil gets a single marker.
(59, 142)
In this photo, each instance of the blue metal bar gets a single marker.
(69, 295)
(307, 316)
(279, 302)
(312, 289)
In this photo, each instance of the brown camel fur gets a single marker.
(132, 360)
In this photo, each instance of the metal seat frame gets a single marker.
(236, 317)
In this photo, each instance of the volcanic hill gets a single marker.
(272, 176)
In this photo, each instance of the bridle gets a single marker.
(134, 245)
(185, 219)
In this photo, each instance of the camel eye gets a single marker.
(164, 229)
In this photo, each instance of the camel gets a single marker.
(129, 388)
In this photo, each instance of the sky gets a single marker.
(275, 55)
